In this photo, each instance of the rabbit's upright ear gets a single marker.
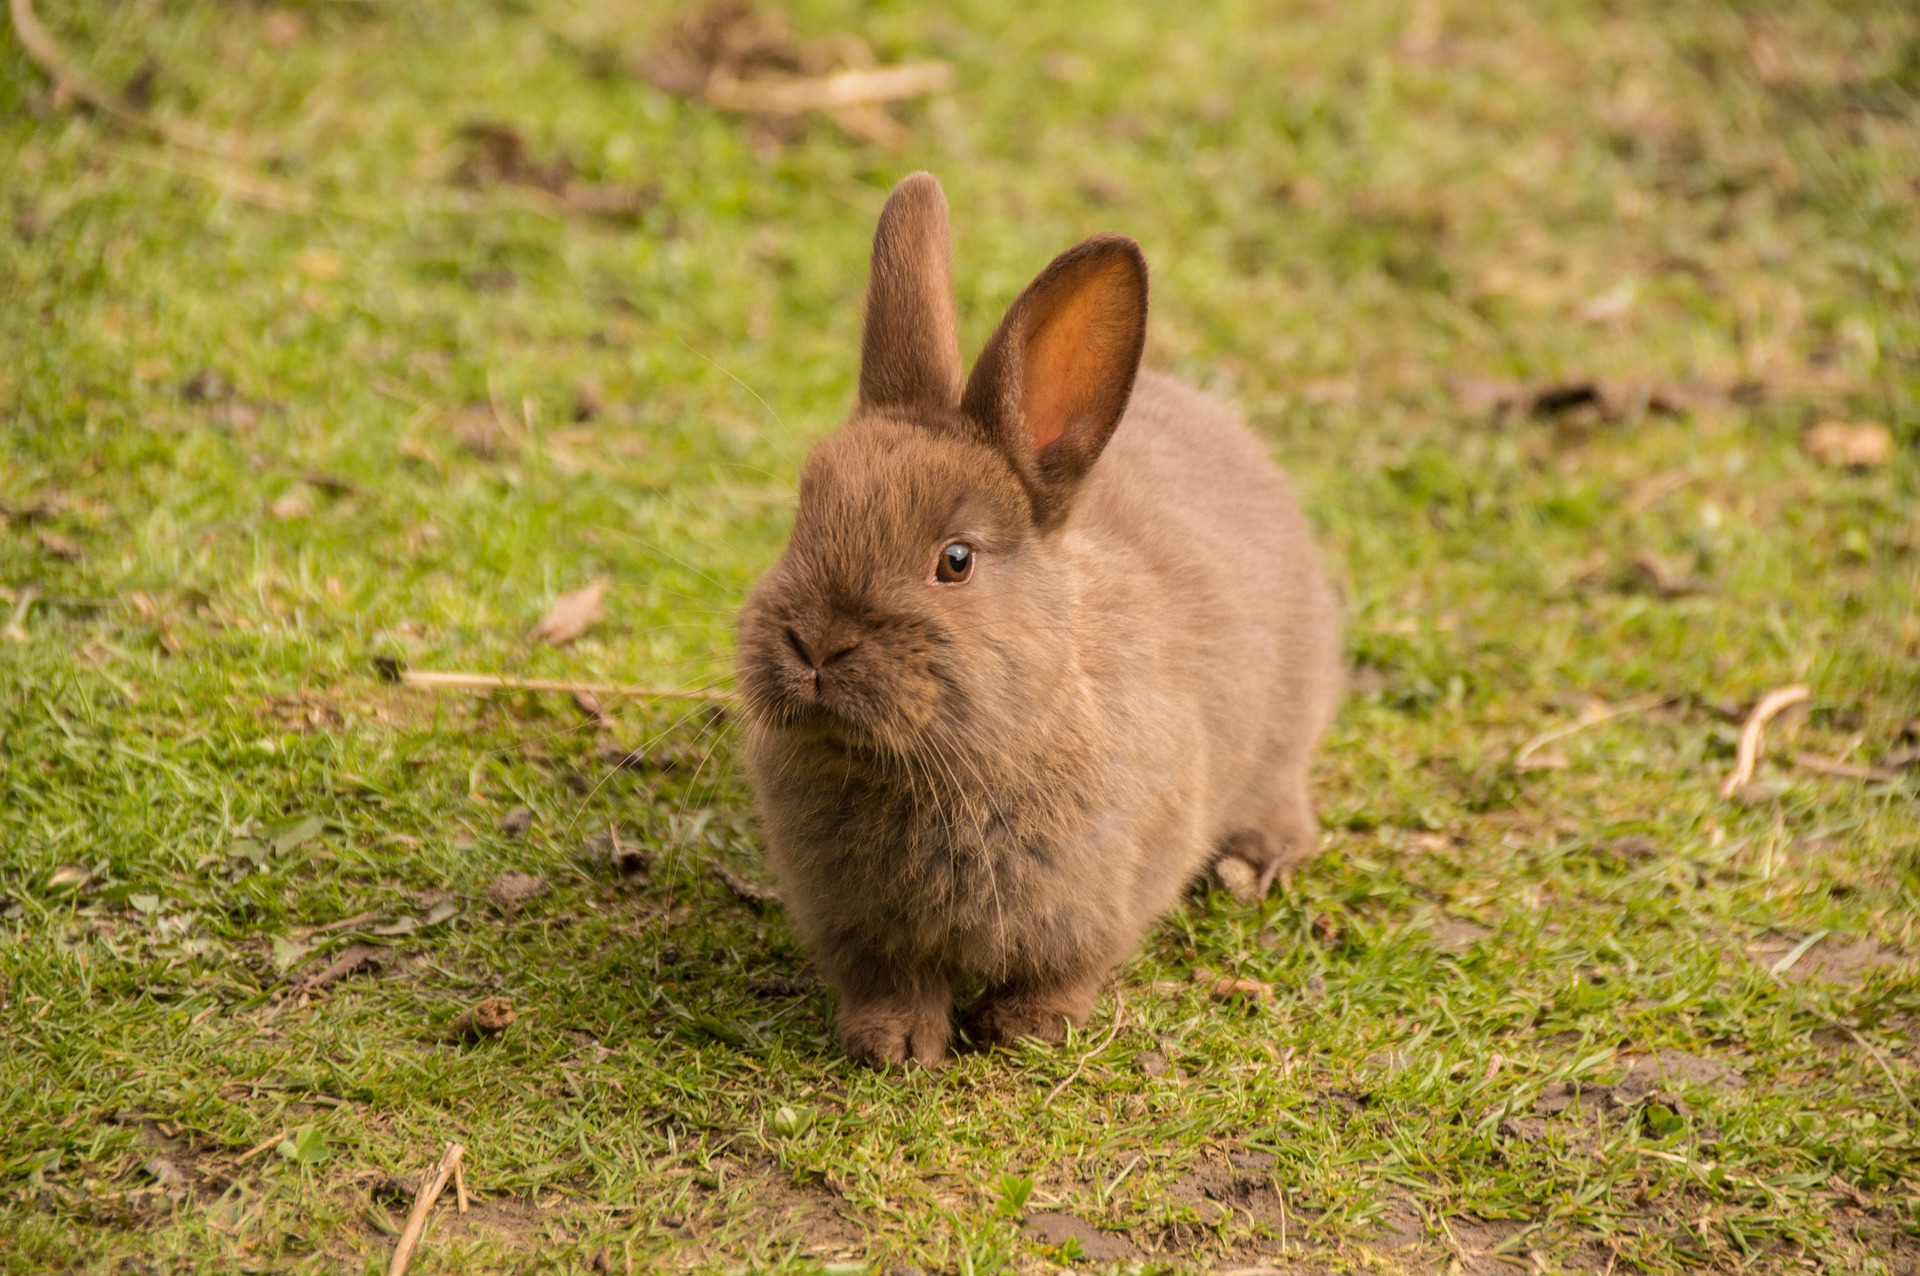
(1051, 384)
(910, 350)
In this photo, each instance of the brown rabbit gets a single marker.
(1040, 650)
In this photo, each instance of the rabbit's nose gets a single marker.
(822, 651)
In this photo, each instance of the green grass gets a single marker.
(1352, 212)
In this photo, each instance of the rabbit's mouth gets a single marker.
(843, 725)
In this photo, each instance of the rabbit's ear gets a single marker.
(1051, 384)
(910, 352)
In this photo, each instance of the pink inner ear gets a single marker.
(1073, 352)
(1064, 363)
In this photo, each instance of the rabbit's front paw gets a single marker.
(888, 1035)
(1004, 1018)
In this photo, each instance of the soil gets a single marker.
(1837, 959)
(1058, 1229)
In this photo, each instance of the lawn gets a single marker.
(374, 329)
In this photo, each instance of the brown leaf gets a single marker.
(738, 58)
(480, 433)
(1855, 445)
(510, 890)
(609, 848)
(497, 155)
(1249, 990)
(59, 546)
(354, 958)
(619, 755)
(281, 28)
(745, 889)
(165, 1172)
(295, 503)
(1901, 757)
(1663, 577)
(1608, 399)
(68, 875)
(489, 1018)
(572, 614)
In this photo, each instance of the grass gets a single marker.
(233, 472)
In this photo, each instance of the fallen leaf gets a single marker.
(745, 889)
(281, 28)
(731, 55)
(779, 984)
(285, 835)
(589, 704)
(58, 546)
(480, 433)
(354, 958)
(589, 400)
(489, 1018)
(292, 504)
(288, 953)
(1663, 577)
(1850, 444)
(498, 155)
(440, 911)
(68, 876)
(1901, 757)
(510, 890)
(319, 263)
(572, 614)
(1249, 990)
(618, 755)
(1608, 399)
(1612, 304)
(609, 848)
(165, 1172)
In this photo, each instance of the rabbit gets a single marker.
(1043, 647)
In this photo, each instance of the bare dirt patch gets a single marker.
(1845, 960)
(1054, 1228)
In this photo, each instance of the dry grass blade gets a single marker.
(70, 81)
(1119, 1010)
(1529, 758)
(837, 92)
(1754, 731)
(258, 1148)
(242, 183)
(1846, 770)
(422, 1203)
(733, 56)
(451, 681)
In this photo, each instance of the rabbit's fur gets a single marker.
(1004, 782)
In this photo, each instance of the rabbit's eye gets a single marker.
(955, 565)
